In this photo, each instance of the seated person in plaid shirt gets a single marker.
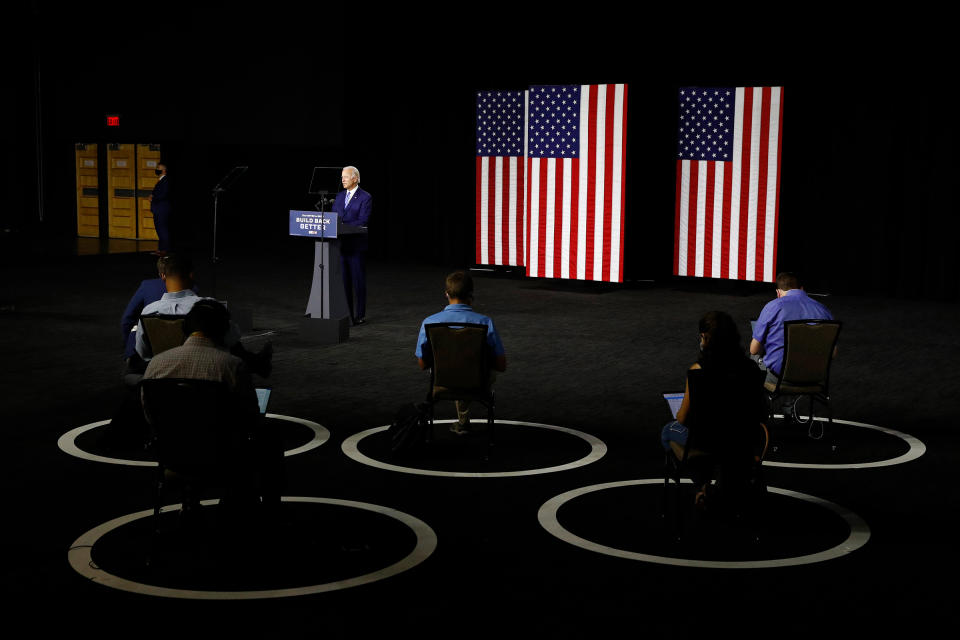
(203, 357)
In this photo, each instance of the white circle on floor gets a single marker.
(80, 557)
(597, 450)
(68, 442)
(917, 449)
(547, 515)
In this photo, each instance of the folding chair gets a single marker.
(460, 368)
(199, 439)
(162, 331)
(808, 347)
(726, 439)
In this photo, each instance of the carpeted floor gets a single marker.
(474, 554)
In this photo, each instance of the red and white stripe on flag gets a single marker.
(500, 201)
(575, 199)
(501, 177)
(727, 208)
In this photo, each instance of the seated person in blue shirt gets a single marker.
(459, 293)
(792, 303)
(149, 291)
(179, 299)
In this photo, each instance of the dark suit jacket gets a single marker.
(161, 197)
(148, 291)
(356, 213)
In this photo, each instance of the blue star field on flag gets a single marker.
(706, 124)
(500, 123)
(554, 118)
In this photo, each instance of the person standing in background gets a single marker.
(161, 207)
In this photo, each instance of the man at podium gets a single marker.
(354, 206)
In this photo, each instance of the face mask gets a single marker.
(157, 171)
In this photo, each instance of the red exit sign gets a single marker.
(113, 121)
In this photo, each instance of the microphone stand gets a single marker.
(225, 183)
(323, 234)
(323, 201)
(315, 181)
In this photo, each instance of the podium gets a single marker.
(327, 317)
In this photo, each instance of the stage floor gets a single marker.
(559, 534)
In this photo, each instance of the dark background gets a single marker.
(868, 167)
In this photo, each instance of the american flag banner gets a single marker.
(728, 183)
(576, 150)
(500, 177)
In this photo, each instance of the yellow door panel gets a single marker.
(88, 194)
(121, 198)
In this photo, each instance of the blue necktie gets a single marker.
(347, 200)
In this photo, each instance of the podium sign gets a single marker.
(328, 316)
(314, 224)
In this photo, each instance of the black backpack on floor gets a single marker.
(409, 428)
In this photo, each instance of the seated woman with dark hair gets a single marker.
(725, 404)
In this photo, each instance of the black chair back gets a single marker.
(194, 423)
(808, 351)
(162, 331)
(460, 361)
(725, 408)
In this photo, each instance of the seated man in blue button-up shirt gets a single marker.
(177, 275)
(792, 303)
(459, 292)
(148, 291)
